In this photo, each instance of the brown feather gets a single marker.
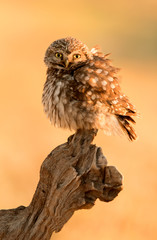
(126, 126)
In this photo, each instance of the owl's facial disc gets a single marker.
(67, 53)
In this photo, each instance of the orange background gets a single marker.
(127, 29)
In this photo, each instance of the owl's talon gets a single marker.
(70, 138)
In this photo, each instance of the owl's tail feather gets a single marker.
(125, 123)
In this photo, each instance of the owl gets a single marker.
(82, 90)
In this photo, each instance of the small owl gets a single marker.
(82, 90)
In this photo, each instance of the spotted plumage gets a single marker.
(82, 90)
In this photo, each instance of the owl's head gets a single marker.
(67, 53)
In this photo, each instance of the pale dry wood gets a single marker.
(72, 177)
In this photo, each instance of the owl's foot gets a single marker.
(91, 133)
(70, 138)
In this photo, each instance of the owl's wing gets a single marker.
(102, 84)
(101, 77)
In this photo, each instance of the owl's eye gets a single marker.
(59, 55)
(76, 56)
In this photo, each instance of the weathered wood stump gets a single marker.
(72, 177)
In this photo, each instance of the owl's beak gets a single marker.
(66, 63)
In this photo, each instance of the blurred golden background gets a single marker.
(127, 29)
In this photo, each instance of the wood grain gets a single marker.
(72, 177)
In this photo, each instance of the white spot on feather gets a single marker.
(60, 107)
(87, 78)
(104, 83)
(58, 83)
(128, 105)
(89, 93)
(94, 50)
(94, 80)
(112, 85)
(99, 103)
(99, 70)
(110, 79)
(115, 101)
(57, 91)
(56, 100)
(93, 97)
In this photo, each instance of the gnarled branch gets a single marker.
(72, 177)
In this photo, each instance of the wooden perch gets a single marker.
(72, 177)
